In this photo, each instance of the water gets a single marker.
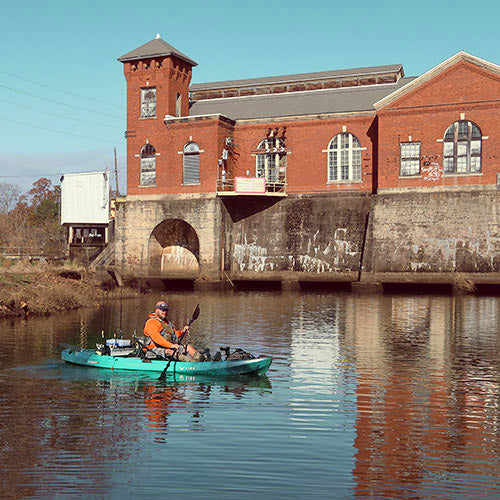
(380, 396)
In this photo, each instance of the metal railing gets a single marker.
(33, 253)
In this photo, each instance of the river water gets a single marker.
(380, 396)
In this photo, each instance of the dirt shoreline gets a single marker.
(34, 291)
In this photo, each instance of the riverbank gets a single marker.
(41, 289)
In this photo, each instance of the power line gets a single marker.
(52, 174)
(61, 103)
(60, 116)
(61, 90)
(28, 175)
(58, 131)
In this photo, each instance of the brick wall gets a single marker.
(170, 76)
(463, 91)
(169, 140)
(306, 142)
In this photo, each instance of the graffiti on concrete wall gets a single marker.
(336, 254)
(177, 259)
(251, 257)
(446, 255)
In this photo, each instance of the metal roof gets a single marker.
(155, 48)
(341, 100)
(341, 73)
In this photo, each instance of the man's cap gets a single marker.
(162, 305)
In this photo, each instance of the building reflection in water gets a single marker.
(426, 406)
(319, 369)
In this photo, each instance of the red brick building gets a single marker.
(358, 129)
(311, 159)
(442, 128)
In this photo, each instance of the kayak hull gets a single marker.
(89, 357)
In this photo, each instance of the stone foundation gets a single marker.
(411, 237)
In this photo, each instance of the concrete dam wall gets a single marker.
(433, 236)
(299, 237)
(427, 237)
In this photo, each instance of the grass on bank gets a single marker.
(43, 288)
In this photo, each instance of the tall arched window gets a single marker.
(462, 148)
(344, 158)
(271, 156)
(148, 165)
(191, 164)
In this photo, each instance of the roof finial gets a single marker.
(157, 36)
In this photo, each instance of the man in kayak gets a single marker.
(164, 339)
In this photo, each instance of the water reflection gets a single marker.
(427, 408)
(368, 396)
(63, 418)
(163, 399)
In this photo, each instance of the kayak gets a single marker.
(92, 358)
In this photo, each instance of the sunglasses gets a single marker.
(162, 307)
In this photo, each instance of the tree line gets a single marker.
(30, 222)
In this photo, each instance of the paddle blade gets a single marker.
(195, 315)
(163, 374)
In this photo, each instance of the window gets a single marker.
(148, 102)
(148, 166)
(410, 158)
(178, 105)
(462, 148)
(191, 165)
(271, 156)
(344, 158)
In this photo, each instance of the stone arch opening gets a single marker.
(174, 249)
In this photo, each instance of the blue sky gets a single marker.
(62, 91)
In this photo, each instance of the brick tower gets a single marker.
(158, 77)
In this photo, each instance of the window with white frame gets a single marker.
(270, 156)
(148, 102)
(410, 158)
(178, 105)
(462, 148)
(344, 158)
(191, 164)
(148, 166)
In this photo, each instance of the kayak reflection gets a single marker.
(163, 400)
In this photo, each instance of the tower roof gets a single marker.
(155, 48)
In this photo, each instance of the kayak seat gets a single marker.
(143, 352)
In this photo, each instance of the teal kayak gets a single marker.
(89, 357)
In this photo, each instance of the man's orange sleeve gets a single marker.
(153, 329)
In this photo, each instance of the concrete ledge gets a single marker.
(439, 278)
(292, 276)
(367, 287)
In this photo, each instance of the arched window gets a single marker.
(271, 156)
(344, 158)
(191, 164)
(462, 148)
(148, 165)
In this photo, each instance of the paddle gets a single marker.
(195, 315)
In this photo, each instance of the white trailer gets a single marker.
(85, 198)
(85, 208)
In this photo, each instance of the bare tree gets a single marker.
(9, 196)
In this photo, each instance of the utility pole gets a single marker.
(116, 176)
